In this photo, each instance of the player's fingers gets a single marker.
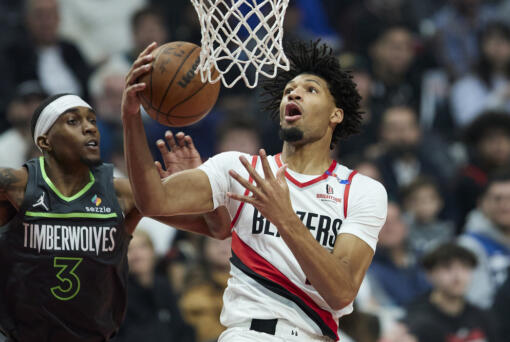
(163, 150)
(180, 139)
(280, 174)
(268, 174)
(253, 173)
(151, 47)
(189, 142)
(138, 72)
(134, 88)
(138, 63)
(252, 188)
(160, 169)
(241, 198)
(169, 136)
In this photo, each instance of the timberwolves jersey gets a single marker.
(63, 262)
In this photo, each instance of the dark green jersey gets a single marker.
(63, 262)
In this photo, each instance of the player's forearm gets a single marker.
(143, 175)
(214, 224)
(7, 211)
(330, 276)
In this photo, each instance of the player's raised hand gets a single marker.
(142, 65)
(182, 154)
(270, 195)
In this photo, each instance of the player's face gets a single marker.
(307, 110)
(75, 138)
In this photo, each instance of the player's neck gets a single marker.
(309, 159)
(68, 179)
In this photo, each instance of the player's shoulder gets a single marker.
(362, 185)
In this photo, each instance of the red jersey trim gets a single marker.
(310, 182)
(246, 192)
(346, 191)
(263, 269)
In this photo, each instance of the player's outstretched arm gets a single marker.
(336, 276)
(12, 189)
(187, 192)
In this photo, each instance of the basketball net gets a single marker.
(241, 39)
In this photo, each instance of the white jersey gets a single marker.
(267, 281)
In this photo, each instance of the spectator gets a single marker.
(152, 312)
(100, 28)
(487, 234)
(238, 134)
(147, 26)
(488, 143)
(392, 57)
(422, 203)
(488, 88)
(17, 143)
(359, 69)
(57, 64)
(406, 153)
(501, 309)
(445, 315)
(394, 278)
(457, 26)
(201, 300)
(106, 86)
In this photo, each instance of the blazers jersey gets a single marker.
(63, 262)
(267, 281)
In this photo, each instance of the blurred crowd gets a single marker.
(435, 83)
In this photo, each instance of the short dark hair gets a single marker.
(137, 17)
(418, 183)
(446, 253)
(40, 108)
(498, 176)
(317, 59)
(485, 124)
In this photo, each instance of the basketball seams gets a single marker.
(175, 75)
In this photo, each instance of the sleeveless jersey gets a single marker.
(267, 281)
(63, 262)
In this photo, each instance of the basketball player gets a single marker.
(68, 222)
(304, 227)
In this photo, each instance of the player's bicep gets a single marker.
(356, 254)
(12, 185)
(7, 212)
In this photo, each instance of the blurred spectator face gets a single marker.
(149, 29)
(363, 82)
(393, 52)
(292, 18)
(241, 140)
(451, 278)
(494, 148)
(394, 232)
(496, 205)
(141, 256)
(218, 253)
(496, 48)
(110, 101)
(424, 203)
(42, 19)
(370, 170)
(399, 128)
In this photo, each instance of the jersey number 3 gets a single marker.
(70, 283)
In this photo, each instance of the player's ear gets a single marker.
(337, 116)
(43, 143)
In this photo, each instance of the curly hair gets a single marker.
(317, 59)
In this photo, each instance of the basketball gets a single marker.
(175, 95)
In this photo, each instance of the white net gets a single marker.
(241, 39)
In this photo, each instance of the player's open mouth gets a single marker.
(92, 144)
(292, 112)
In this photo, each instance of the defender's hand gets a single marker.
(270, 194)
(143, 64)
(182, 154)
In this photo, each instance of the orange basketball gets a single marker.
(175, 95)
